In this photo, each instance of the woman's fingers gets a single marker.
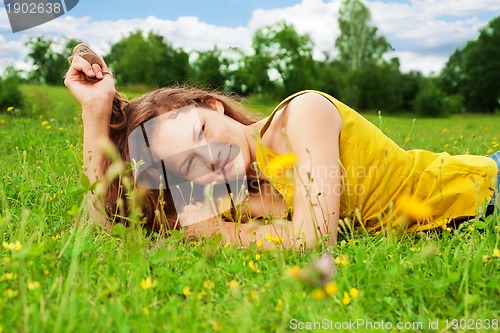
(97, 71)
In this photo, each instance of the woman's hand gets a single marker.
(89, 80)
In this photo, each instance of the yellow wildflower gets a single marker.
(341, 260)
(15, 247)
(485, 258)
(495, 144)
(414, 208)
(9, 276)
(186, 291)
(61, 128)
(295, 272)
(46, 272)
(279, 305)
(252, 265)
(496, 252)
(318, 293)
(208, 284)
(10, 293)
(48, 127)
(148, 283)
(233, 283)
(331, 288)
(444, 130)
(145, 311)
(259, 243)
(354, 293)
(346, 300)
(257, 256)
(489, 151)
(202, 293)
(254, 294)
(10, 108)
(44, 123)
(2, 121)
(470, 228)
(32, 285)
(274, 239)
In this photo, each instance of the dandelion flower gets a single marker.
(208, 284)
(495, 144)
(15, 247)
(354, 293)
(318, 293)
(259, 243)
(252, 265)
(32, 285)
(470, 228)
(346, 300)
(148, 283)
(9, 276)
(331, 288)
(295, 272)
(10, 108)
(257, 256)
(496, 252)
(44, 123)
(233, 284)
(186, 291)
(10, 293)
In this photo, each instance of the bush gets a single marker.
(10, 94)
(430, 101)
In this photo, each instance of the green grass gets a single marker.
(66, 276)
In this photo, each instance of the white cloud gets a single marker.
(423, 32)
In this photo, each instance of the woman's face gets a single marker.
(202, 145)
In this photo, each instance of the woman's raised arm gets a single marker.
(94, 88)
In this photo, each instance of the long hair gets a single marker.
(157, 207)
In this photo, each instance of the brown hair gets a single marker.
(157, 208)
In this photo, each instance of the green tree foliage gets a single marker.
(148, 60)
(430, 101)
(10, 94)
(358, 42)
(474, 71)
(209, 68)
(281, 62)
(49, 65)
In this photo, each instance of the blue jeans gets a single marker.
(496, 158)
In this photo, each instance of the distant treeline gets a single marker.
(281, 63)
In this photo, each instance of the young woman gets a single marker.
(312, 162)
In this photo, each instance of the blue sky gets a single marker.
(231, 13)
(424, 33)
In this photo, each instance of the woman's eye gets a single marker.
(189, 164)
(200, 136)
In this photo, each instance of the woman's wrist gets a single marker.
(97, 110)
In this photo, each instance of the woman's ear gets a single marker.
(216, 105)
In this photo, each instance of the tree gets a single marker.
(10, 94)
(208, 68)
(281, 63)
(473, 71)
(49, 65)
(358, 42)
(148, 60)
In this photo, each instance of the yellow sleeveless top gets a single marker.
(380, 179)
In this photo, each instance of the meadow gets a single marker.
(60, 274)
